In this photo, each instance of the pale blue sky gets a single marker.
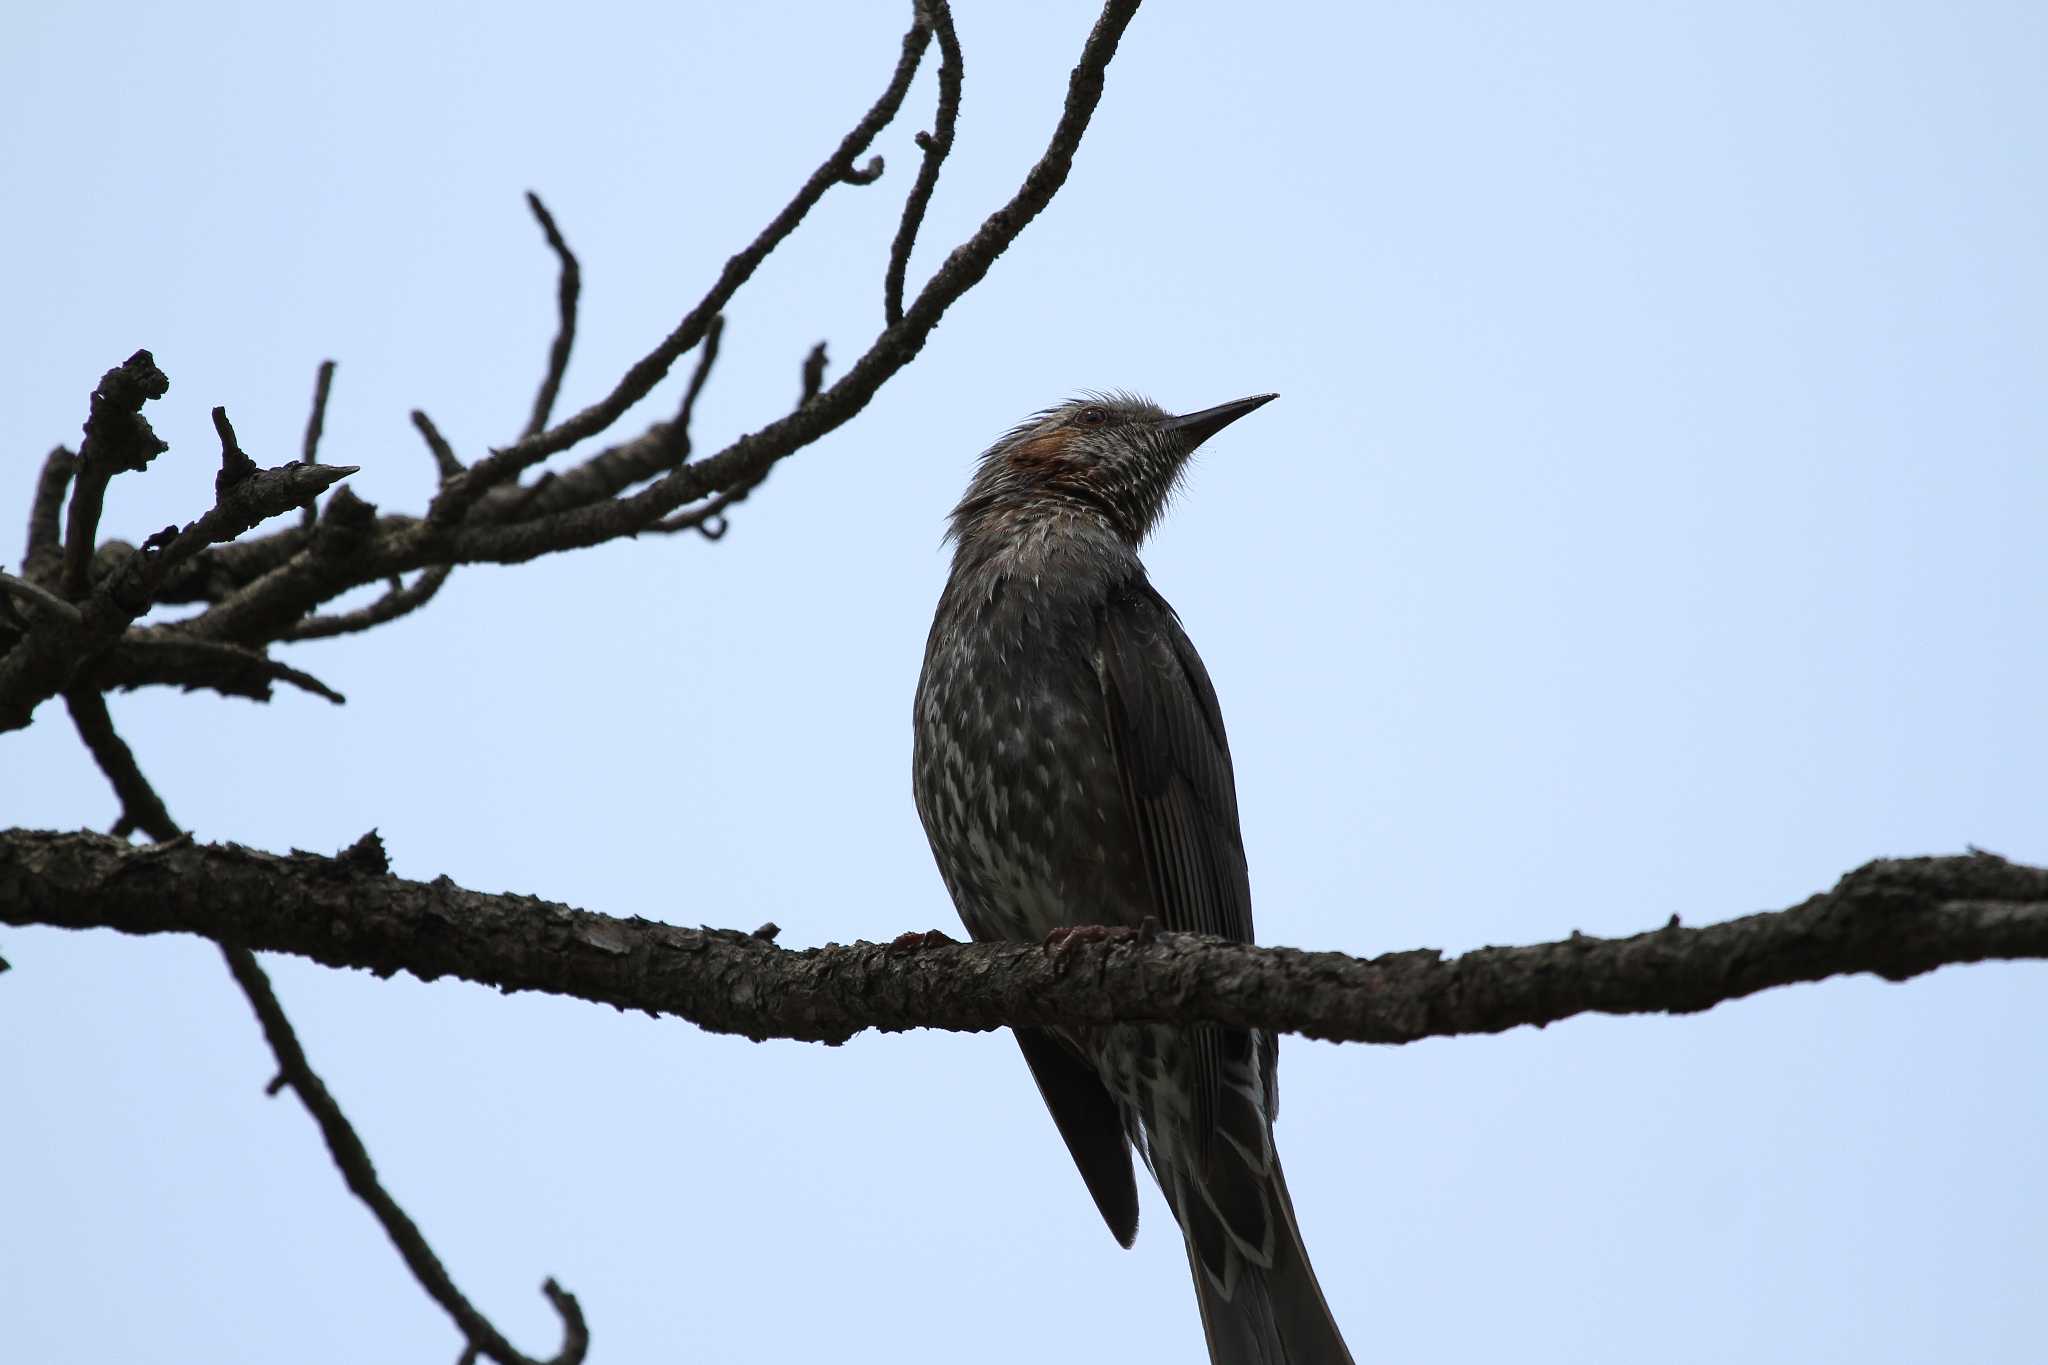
(1650, 524)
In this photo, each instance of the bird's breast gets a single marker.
(1013, 771)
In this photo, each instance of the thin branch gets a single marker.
(356, 1169)
(118, 439)
(235, 464)
(649, 370)
(708, 519)
(1894, 918)
(571, 283)
(141, 807)
(616, 468)
(935, 144)
(446, 463)
(896, 347)
(402, 599)
(163, 656)
(24, 591)
(266, 607)
(221, 570)
(316, 423)
(46, 513)
(42, 662)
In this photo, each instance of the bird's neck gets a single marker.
(1043, 538)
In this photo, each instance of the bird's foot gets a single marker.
(1069, 934)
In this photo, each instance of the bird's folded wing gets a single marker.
(1174, 764)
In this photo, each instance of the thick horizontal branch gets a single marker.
(1893, 918)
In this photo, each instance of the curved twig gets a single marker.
(353, 1159)
(316, 423)
(566, 290)
(648, 371)
(162, 656)
(614, 469)
(22, 590)
(46, 513)
(267, 606)
(935, 144)
(118, 439)
(401, 600)
(142, 808)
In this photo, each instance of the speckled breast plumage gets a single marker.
(1012, 768)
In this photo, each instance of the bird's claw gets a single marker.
(1069, 934)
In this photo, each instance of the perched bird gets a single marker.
(1071, 770)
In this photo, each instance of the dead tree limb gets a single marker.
(1896, 918)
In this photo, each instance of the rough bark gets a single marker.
(1895, 918)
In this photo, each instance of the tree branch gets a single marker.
(448, 536)
(1895, 918)
(46, 515)
(42, 662)
(142, 808)
(118, 438)
(935, 145)
(316, 424)
(361, 1176)
(161, 657)
(569, 285)
(639, 381)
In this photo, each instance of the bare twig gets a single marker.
(640, 379)
(446, 463)
(935, 144)
(22, 590)
(896, 347)
(220, 570)
(163, 656)
(258, 591)
(1894, 918)
(656, 451)
(353, 1159)
(46, 514)
(41, 663)
(118, 438)
(570, 284)
(812, 374)
(316, 423)
(708, 519)
(141, 807)
(401, 600)
(235, 465)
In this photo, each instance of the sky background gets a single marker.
(1650, 524)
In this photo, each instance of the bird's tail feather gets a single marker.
(1271, 1315)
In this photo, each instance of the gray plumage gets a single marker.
(1071, 769)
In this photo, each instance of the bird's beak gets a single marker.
(1197, 427)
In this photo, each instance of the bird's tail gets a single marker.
(1270, 1314)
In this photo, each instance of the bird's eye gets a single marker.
(1094, 417)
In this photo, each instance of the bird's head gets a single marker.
(1111, 456)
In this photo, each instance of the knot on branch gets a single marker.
(366, 855)
(117, 435)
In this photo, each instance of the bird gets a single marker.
(1070, 768)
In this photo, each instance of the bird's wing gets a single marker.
(1088, 1118)
(1174, 764)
